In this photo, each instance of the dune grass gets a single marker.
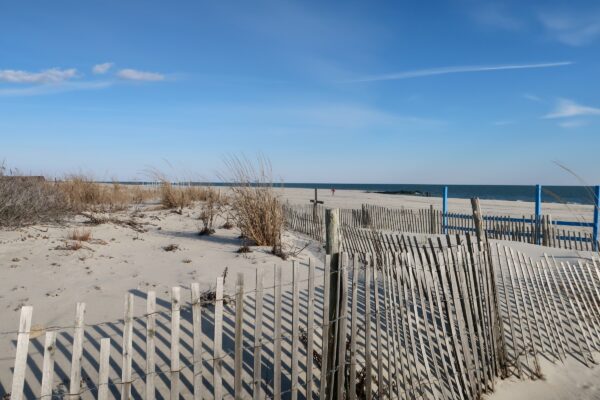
(256, 208)
(27, 200)
(179, 197)
(84, 194)
(80, 235)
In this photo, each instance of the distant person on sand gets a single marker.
(333, 191)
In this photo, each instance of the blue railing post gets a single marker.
(445, 210)
(538, 213)
(596, 217)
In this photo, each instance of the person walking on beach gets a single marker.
(333, 191)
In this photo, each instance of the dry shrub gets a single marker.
(244, 249)
(84, 194)
(171, 247)
(29, 200)
(26, 200)
(256, 209)
(210, 295)
(81, 235)
(71, 246)
(197, 193)
(74, 246)
(227, 224)
(172, 197)
(179, 197)
(211, 208)
(140, 194)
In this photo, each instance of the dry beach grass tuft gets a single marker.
(256, 208)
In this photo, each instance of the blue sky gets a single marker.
(379, 92)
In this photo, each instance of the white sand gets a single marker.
(571, 380)
(117, 260)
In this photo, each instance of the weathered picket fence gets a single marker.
(434, 320)
(310, 220)
(196, 349)
(543, 231)
(306, 219)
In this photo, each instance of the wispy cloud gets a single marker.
(570, 124)
(53, 75)
(457, 70)
(566, 108)
(532, 97)
(103, 68)
(570, 29)
(573, 26)
(495, 15)
(136, 75)
(288, 115)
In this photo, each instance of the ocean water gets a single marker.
(550, 194)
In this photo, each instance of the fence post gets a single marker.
(364, 216)
(477, 220)
(333, 244)
(538, 212)
(445, 210)
(239, 329)
(596, 217)
(21, 357)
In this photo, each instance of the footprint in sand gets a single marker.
(22, 303)
(55, 293)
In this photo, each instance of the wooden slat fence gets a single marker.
(306, 219)
(310, 220)
(437, 321)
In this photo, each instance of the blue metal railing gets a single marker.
(535, 220)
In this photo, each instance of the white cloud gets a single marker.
(53, 75)
(566, 108)
(455, 70)
(103, 68)
(135, 75)
(573, 30)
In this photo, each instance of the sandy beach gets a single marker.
(39, 270)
